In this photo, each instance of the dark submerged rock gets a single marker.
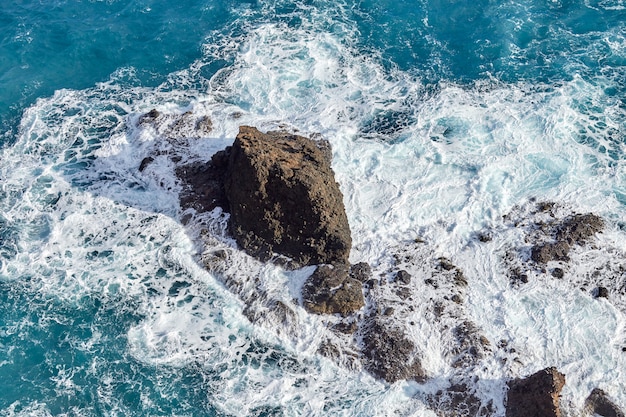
(598, 403)
(403, 277)
(535, 395)
(388, 354)
(283, 198)
(601, 292)
(558, 273)
(145, 162)
(331, 290)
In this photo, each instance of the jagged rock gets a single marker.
(579, 228)
(598, 403)
(149, 117)
(283, 198)
(331, 290)
(558, 273)
(459, 400)
(203, 184)
(573, 230)
(361, 271)
(388, 354)
(471, 345)
(601, 292)
(547, 252)
(535, 395)
(403, 277)
(177, 126)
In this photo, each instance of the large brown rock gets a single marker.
(283, 198)
(536, 395)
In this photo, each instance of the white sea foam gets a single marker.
(449, 161)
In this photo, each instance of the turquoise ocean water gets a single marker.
(442, 116)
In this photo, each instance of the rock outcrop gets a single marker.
(573, 230)
(388, 353)
(535, 395)
(203, 184)
(284, 198)
(598, 403)
(280, 192)
(331, 290)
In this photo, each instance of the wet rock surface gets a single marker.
(535, 395)
(388, 353)
(203, 184)
(598, 403)
(561, 245)
(459, 399)
(281, 194)
(331, 290)
(283, 198)
(572, 230)
(177, 126)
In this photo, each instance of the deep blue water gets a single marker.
(74, 302)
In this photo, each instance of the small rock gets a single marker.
(204, 125)
(558, 273)
(346, 327)
(445, 263)
(516, 275)
(149, 117)
(361, 271)
(598, 403)
(484, 237)
(431, 282)
(403, 277)
(545, 206)
(330, 290)
(388, 353)
(145, 162)
(579, 228)
(459, 278)
(459, 400)
(371, 284)
(601, 292)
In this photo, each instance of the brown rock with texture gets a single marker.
(330, 290)
(599, 403)
(388, 353)
(283, 198)
(536, 395)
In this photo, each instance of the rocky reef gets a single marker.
(276, 196)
